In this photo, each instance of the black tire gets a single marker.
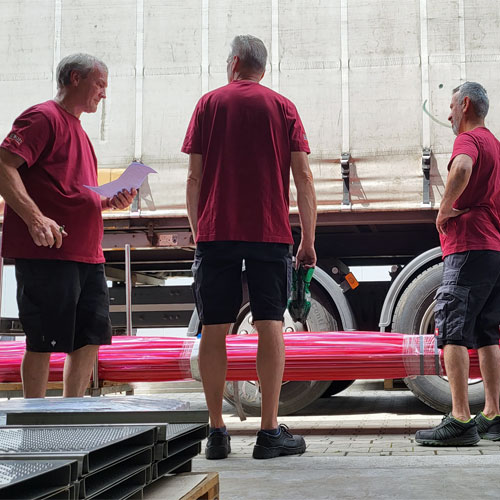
(294, 395)
(337, 386)
(408, 315)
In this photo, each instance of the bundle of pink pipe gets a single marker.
(309, 356)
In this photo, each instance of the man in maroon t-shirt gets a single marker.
(53, 228)
(242, 140)
(467, 311)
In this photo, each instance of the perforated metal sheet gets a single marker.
(103, 410)
(182, 436)
(30, 479)
(93, 447)
(177, 430)
(56, 439)
(18, 470)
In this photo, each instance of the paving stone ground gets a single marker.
(363, 420)
(360, 444)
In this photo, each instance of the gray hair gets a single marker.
(477, 95)
(82, 63)
(251, 51)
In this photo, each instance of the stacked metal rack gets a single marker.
(42, 479)
(101, 460)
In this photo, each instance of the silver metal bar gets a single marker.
(153, 307)
(128, 289)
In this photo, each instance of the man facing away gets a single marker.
(53, 228)
(242, 140)
(467, 311)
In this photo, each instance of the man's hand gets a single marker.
(122, 199)
(306, 255)
(46, 232)
(444, 215)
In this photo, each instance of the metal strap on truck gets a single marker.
(345, 168)
(426, 170)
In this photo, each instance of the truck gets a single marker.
(372, 82)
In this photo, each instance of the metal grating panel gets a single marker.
(32, 480)
(172, 463)
(103, 410)
(182, 436)
(35, 439)
(130, 488)
(94, 447)
(107, 479)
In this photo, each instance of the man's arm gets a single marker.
(306, 202)
(44, 231)
(193, 187)
(458, 178)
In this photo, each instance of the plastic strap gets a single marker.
(237, 401)
(193, 361)
(437, 360)
(422, 365)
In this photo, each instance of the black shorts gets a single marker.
(63, 305)
(467, 311)
(217, 272)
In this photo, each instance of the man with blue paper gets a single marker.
(53, 228)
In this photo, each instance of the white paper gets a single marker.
(133, 177)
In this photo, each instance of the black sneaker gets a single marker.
(488, 428)
(218, 445)
(284, 443)
(450, 432)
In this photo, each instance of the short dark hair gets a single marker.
(83, 63)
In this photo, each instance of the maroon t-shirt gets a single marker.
(245, 133)
(59, 160)
(478, 229)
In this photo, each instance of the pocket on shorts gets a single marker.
(450, 311)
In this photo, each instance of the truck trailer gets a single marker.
(372, 81)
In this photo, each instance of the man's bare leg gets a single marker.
(489, 361)
(213, 367)
(270, 366)
(456, 360)
(35, 373)
(78, 369)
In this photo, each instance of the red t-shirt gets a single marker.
(59, 160)
(245, 133)
(478, 229)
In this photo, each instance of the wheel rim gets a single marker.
(246, 327)
(427, 326)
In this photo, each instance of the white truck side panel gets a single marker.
(362, 74)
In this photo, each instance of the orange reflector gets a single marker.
(353, 282)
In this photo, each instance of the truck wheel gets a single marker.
(294, 395)
(337, 386)
(414, 314)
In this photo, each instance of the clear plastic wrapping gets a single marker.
(309, 356)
